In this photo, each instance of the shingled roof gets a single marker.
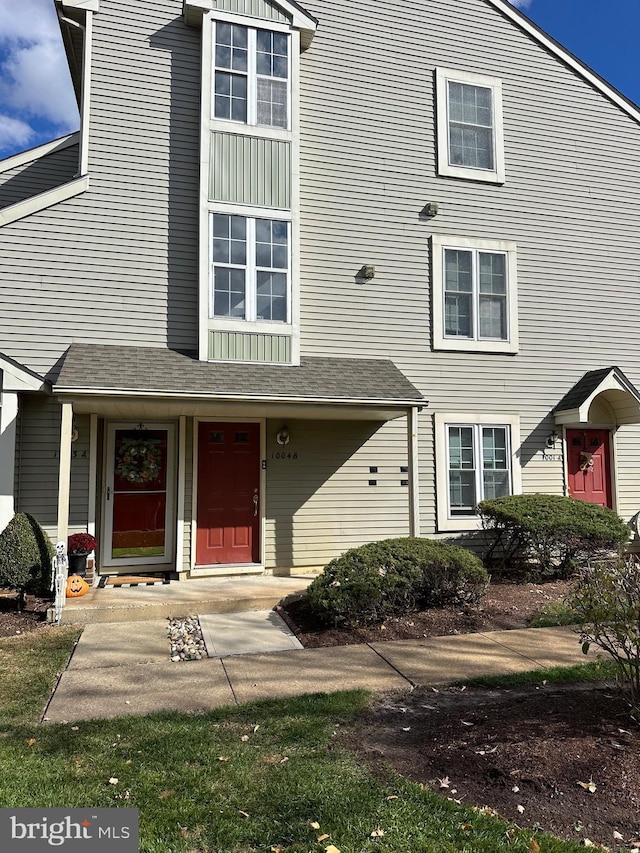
(104, 370)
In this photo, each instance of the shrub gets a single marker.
(392, 577)
(549, 535)
(25, 556)
(606, 600)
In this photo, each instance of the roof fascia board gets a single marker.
(243, 398)
(43, 200)
(32, 154)
(566, 56)
(18, 378)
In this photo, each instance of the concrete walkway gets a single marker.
(124, 668)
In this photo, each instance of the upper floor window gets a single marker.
(250, 270)
(474, 295)
(251, 75)
(470, 133)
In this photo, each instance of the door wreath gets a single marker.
(139, 461)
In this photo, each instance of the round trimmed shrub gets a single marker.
(549, 535)
(25, 555)
(393, 577)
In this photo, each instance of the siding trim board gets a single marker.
(32, 154)
(43, 200)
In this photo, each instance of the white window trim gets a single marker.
(495, 175)
(251, 125)
(250, 323)
(442, 421)
(441, 242)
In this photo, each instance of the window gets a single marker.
(250, 275)
(477, 459)
(470, 134)
(474, 295)
(251, 76)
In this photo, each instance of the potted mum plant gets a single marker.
(79, 546)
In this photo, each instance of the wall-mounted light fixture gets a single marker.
(552, 439)
(430, 209)
(283, 436)
(367, 272)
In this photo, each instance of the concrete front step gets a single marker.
(182, 598)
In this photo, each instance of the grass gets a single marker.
(600, 670)
(252, 779)
(552, 614)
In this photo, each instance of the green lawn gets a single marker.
(240, 780)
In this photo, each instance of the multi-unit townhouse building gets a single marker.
(309, 277)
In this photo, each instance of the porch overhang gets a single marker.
(134, 382)
(609, 384)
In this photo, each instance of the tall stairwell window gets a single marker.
(251, 76)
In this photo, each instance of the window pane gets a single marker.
(462, 492)
(229, 293)
(470, 126)
(272, 244)
(457, 316)
(231, 47)
(462, 477)
(272, 102)
(472, 147)
(457, 270)
(492, 273)
(492, 315)
(272, 296)
(495, 463)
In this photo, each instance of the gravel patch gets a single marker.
(185, 637)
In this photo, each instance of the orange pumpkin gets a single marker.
(76, 586)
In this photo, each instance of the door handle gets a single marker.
(108, 493)
(255, 502)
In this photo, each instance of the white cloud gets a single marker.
(14, 133)
(521, 4)
(35, 87)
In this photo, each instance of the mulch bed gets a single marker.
(505, 606)
(14, 621)
(521, 753)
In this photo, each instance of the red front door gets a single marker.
(228, 514)
(588, 465)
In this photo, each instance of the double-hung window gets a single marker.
(474, 294)
(251, 75)
(477, 460)
(250, 275)
(470, 131)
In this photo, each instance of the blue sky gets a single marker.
(37, 104)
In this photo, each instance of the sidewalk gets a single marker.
(124, 669)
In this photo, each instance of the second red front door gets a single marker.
(228, 495)
(588, 466)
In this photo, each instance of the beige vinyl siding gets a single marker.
(118, 263)
(38, 461)
(627, 445)
(254, 8)
(30, 179)
(250, 170)
(319, 502)
(242, 346)
(569, 202)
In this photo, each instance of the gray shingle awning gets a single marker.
(613, 385)
(100, 370)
